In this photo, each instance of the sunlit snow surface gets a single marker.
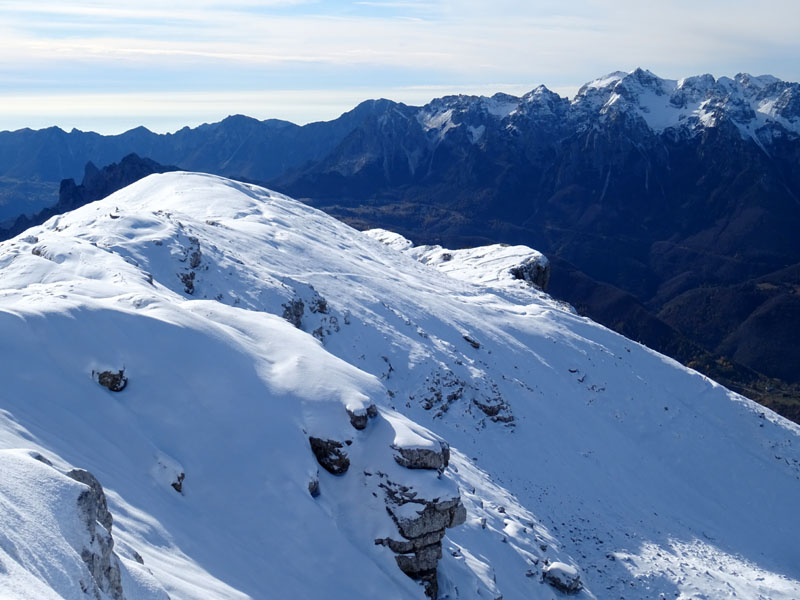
(603, 455)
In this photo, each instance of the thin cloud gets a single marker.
(293, 43)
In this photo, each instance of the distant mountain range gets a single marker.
(670, 208)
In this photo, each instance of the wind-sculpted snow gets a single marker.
(249, 325)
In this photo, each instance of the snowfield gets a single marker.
(266, 346)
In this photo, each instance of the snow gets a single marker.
(42, 537)
(565, 576)
(440, 122)
(485, 265)
(689, 102)
(603, 82)
(500, 106)
(476, 133)
(569, 443)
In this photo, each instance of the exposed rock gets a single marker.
(431, 516)
(318, 304)
(41, 458)
(422, 562)
(330, 455)
(97, 496)
(459, 515)
(421, 524)
(115, 382)
(563, 577)
(372, 411)
(293, 312)
(187, 279)
(471, 341)
(358, 418)
(40, 252)
(313, 487)
(535, 270)
(423, 458)
(178, 483)
(194, 254)
(407, 546)
(496, 409)
(99, 555)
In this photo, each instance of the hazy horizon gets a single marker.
(105, 66)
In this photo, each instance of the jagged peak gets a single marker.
(141, 129)
(758, 81)
(539, 92)
(606, 81)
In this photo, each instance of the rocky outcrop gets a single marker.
(471, 341)
(360, 417)
(421, 524)
(115, 382)
(318, 304)
(313, 487)
(330, 455)
(97, 497)
(436, 458)
(187, 279)
(293, 312)
(535, 270)
(563, 577)
(98, 555)
(177, 485)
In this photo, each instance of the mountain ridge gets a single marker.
(656, 187)
(248, 325)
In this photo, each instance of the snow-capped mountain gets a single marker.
(758, 106)
(213, 391)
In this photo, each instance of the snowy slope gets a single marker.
(570, 446)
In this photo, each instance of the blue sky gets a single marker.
(108, 66)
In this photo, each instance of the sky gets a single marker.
(109, 66)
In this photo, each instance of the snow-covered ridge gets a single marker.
(300, 398)
(498, 265)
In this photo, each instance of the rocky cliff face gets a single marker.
(60, 533)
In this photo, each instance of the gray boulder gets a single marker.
(435, 459)
(563, 577)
